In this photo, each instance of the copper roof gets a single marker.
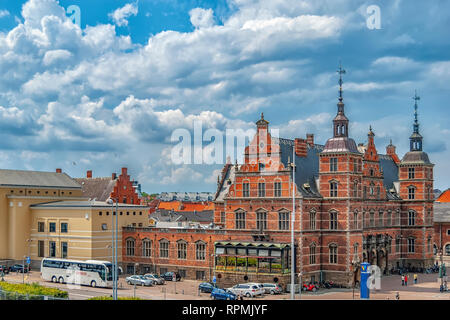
(416, 157)
(341, 144)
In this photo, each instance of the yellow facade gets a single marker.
(59, 201)
(89, 231)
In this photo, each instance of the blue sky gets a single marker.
(109, 94)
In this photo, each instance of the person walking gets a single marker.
(406, 280)
(403, 280)
(415, 278)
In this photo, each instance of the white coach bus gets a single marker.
(89, 273)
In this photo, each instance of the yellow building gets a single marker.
(43, 214)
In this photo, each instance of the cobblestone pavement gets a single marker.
(427, 288)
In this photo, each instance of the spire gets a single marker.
(340, 122)
(416, 138)
(341, 72)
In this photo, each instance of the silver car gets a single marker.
(248, 290)
(139, 280)
(155, 278)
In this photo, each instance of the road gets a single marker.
(426, 289)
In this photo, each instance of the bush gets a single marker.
(32, 290)
(110, 298)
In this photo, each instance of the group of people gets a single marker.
(405, 279)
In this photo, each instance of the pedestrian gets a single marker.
(415, 278)
(397, 296)
(406, 280)
(403, 280)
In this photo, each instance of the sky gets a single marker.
(107, 90)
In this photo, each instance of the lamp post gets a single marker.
(114, 231)
(292, 228)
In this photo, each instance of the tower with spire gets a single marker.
(340, 155)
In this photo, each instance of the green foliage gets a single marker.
(34, 290)
(110, 298)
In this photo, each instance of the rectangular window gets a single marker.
(200, 275)
(200, 251)
(222, 217)
(411, 173)
(372, 219)
(355, 165)
(283, 220)
(52, 248)
(182, 250)
(333, 221)
(41, 226)
(277, 187)
(246, 189)
(52, 227)
(164, 249)
(261, 189)
(64, 250)
(64, 227)
(312, 254)
(333, 164)
(397, 245)
(333, 189)
(380, 219)
(355, 220)
(147, 248)
(411, 245)
(240, 220)
(411, 218)
(261, 220)
(333, 254)
(41, 248)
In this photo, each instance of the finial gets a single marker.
(390, 142)
(416, 121)
(262, 115)
(341, 72)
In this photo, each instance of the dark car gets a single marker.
(168, 276)
(4, 269)
(222, 294)
(206, 287)
(18, 268)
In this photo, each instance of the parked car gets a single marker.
(248, 290)
(156, 279)
(168, 276)
(222, 294)
(139, 280)
(18, 268)
(4, 269)
(272, 288)
(206, 287)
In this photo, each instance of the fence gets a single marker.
(9, 295)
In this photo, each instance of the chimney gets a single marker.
(300, 147)
(114, 176)
(310, 139)
(390, 151)
(89, 174)
(58, 170)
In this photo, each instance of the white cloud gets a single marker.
(53, 56)
(201, 18)
(120, 16)
(4, 13)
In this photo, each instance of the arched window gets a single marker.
(411, 193)
(355, 189)
(312, 253)
(333, 248)
(261, 220)
(283, 220)
(130, 244)
(312, 220)
(164, 248)
(200, 250)
(447, 250)
(333, 189)
(333, 220)
(182, 249)
(147, 247)
(355, 219)
(355, 251)
(411, 218)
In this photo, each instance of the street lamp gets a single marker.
(114, 231)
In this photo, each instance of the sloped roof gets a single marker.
(444, 197)
(206, 216)
(36, 179)
(441, 212)
(83, 204)
(416, 157)
(97, 188)
(340, 144)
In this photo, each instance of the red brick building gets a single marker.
(117, 187)
(352, 204)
